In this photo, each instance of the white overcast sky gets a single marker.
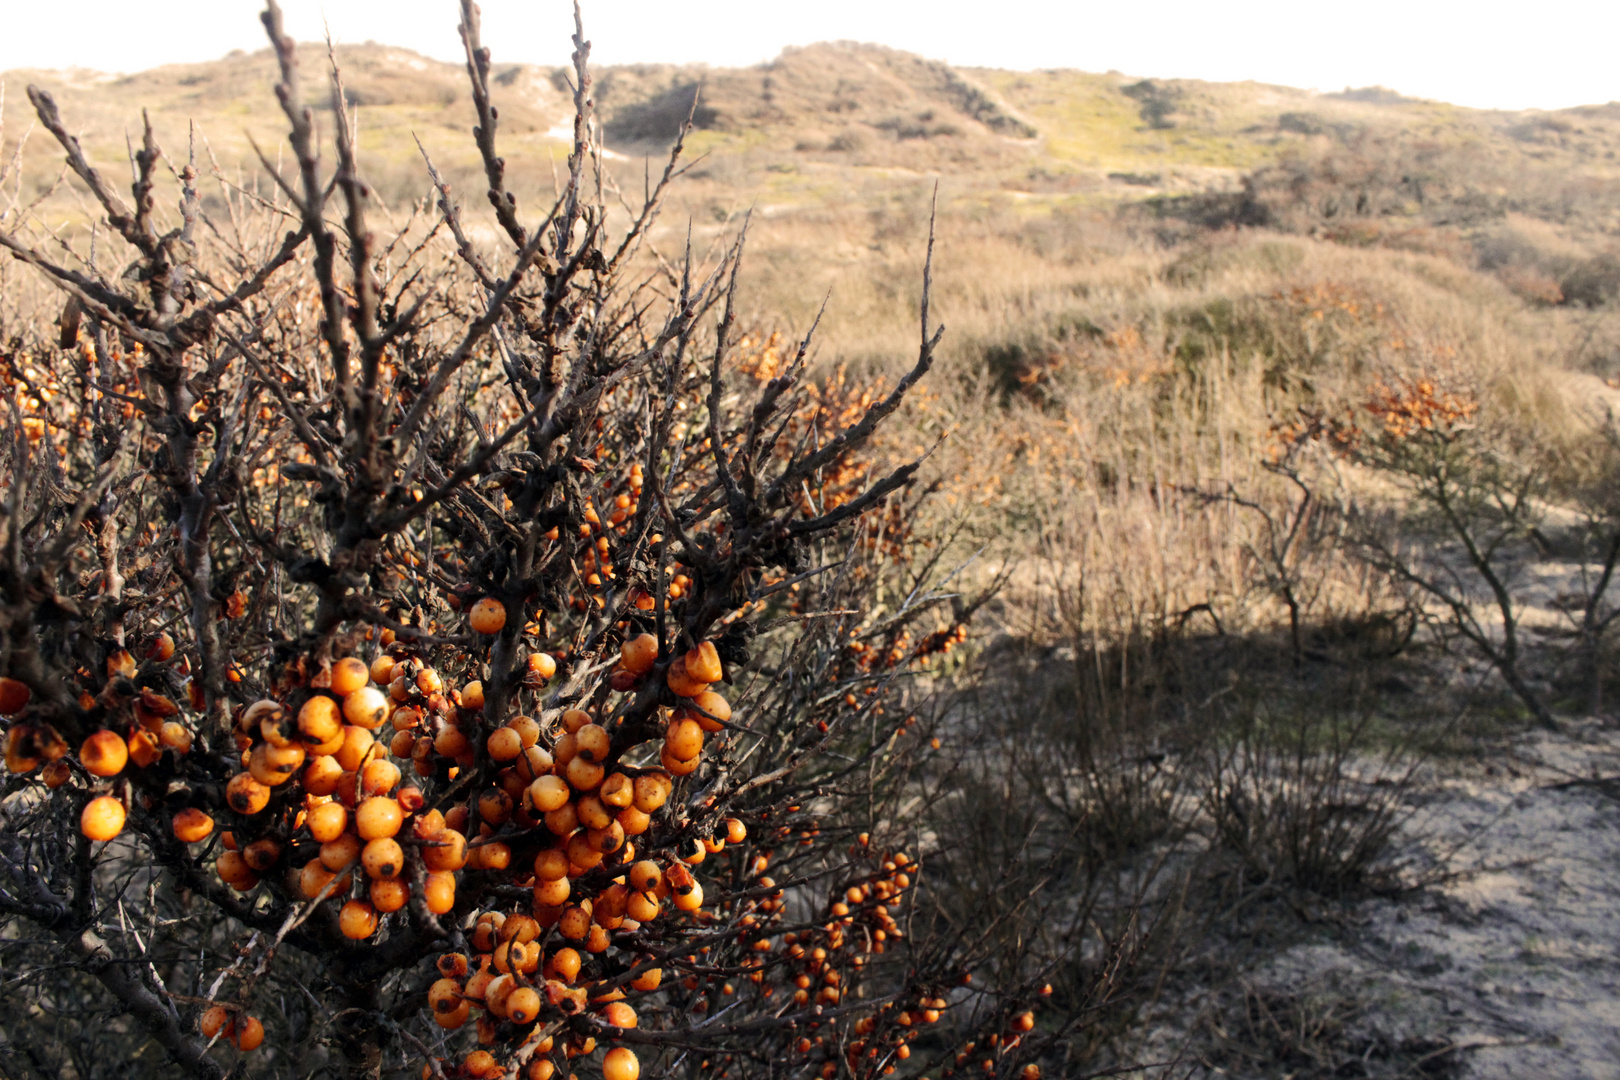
(1485, 54)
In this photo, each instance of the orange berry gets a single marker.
(377, 817)
(313, 878)
(581, 851)
(402, 744)
(472, 696)
(552, 891)
(527, 728)
(340, 853)
(606, 840)
(495, 806)
(14, 696)
(445, 995)
(645, 876)
(322, 775)
(617, 791)
(144, 750)
(439, 891)
(214, 1020)
(320, 720)
(357, 744)
(389, 894)
(593, 813)
(619, 1015)
(564, 964)
(382, 858)
(447, 852)
(703, 663)
(522, 1005)
(651, 789)
(481, 1065)
(487, 616)
(357, 920)
(620, 1063)
(683, 684)
(102, 818)
(249, 1034)
(584, 775)
(379, 776)
(262, 854)
(160, 648)
(233, 870)
(454, 1018)
(451, 743)
(690, 901)
(575, 923)
(273, 766)
(718, 711)
(349, 675)
(246, 795)
(366, 707)
(592, 743)
(497, 991)
(492, 855)
(684, 740)
(674, 764)
(548, 793)
(550, 865)
(504, 744)
(104, 753)
(638, 654)
(176, 736)
(633, 821)
(21, 755)
(563, 820)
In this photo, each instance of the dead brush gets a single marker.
(1312, 1032)
(1303, 801)
(1055, 878)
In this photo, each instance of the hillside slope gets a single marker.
(844, 104)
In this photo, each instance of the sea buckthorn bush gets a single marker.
(429, 654)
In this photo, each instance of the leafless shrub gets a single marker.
(536, 476)
(1317, 1031)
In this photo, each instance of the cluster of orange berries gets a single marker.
(244, 1032)
(901, 649)
(38, 391)
(594, 564)
(1419, 405)
(574, 804)
(105, 753)
(320, 798)
(348, 799)
(510, 980)
(998, 1043)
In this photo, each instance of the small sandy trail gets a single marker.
(1512, 954)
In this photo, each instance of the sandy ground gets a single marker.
(1504, 961)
